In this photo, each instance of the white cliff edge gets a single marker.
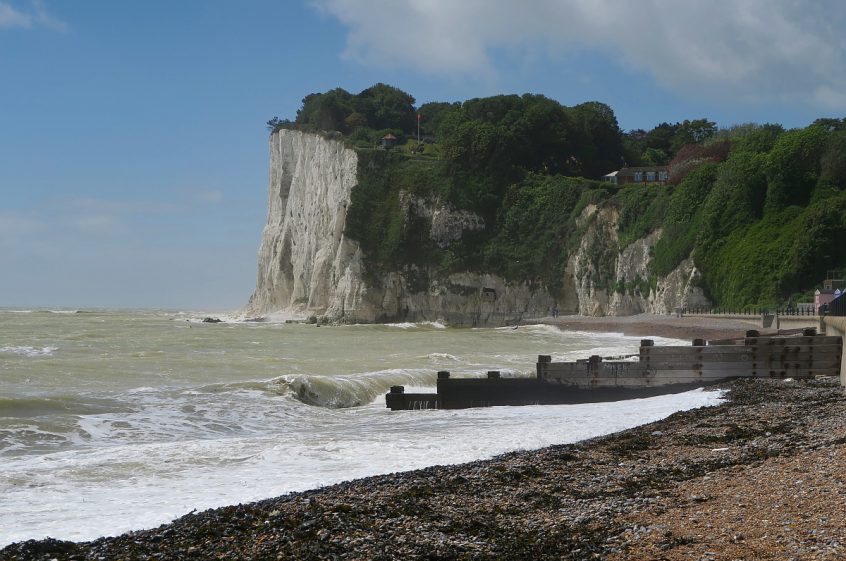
(306, 263)
(309, 268)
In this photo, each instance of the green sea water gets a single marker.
(114, 420)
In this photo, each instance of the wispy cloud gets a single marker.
(209, 197)
(10, 17)
(45, 18)
(97, 224)
(94, 205)
(14, 225)
(756, 50)
(34, 14)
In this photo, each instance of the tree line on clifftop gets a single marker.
(760, 209)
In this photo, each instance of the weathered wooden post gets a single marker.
(396, 399)
(543, 363)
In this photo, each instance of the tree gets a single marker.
(274, 124)
(831, 125)
(541, 138)
(432, 115)
(355, 121)
(691, 156)
(598, 146)
(833, 160)
(654, 157)
(759, 139)
(793, 166)
(505, 109)
(661, 137)
(633, 147)
(386, 107)
(326, 111)
(692, 132)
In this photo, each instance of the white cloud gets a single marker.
(209, 197)
(15, 225)
(36, 14)
(10, 17)
(43, 17)
(93, 205)
(97, 224)
(752, 50)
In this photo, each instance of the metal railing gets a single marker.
(749, 311)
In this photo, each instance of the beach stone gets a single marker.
(757, 499)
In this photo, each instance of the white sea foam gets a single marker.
(115, 489)
(239, 317)
(442, 356)
(29, 351)
(115, 431)
(402, 325)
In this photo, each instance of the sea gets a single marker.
(115, 420)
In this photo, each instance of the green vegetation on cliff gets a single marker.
(761, 210)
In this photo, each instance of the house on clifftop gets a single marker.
(657, 175)
(389, 141)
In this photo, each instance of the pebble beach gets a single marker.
(760, 476)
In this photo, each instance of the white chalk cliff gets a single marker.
(306, 264)
(309, 268)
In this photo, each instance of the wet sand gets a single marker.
(654, 325)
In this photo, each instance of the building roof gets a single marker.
(627, 171)
(389, 136)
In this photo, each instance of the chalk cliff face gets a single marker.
(308, 267)
(306, 264)
(608, 282)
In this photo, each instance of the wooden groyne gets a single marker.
(836, 326)
(657, 370)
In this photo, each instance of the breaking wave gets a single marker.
(29, 351)
(333, 392)
(337, 392)
(354, 391)
(37, 406)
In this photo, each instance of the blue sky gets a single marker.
(133, 148)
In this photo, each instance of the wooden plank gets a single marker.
(760, 359)
(790, 341)
(718, 349)
(686, 377)
(786, 354)
(636, 369)
(658, 362)
(735, 351)
(686, 374)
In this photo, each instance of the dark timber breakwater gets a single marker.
(658, 370)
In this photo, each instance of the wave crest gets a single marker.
(337, 392)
